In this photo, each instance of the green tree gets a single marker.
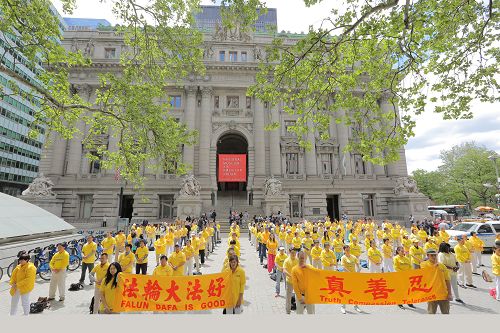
(162, 48)
(430, 183)
(433, 54)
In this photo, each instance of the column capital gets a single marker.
(191, 90)
(207, 91)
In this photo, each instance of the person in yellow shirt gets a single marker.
(316, 255)
(430, 244)
(58, 265)
(495, 268)
(22, 282)
(299, 284)
(99, 273)
(406, 243)
(169, 240)
(307, 244)
(164, 269)
(374, 258)
(108, 244)
(464, 257)
(338, 245)
(444, 305)
(120, 244)
(195, 243)
(355, 248)
(416, 254)
(141, 258)
(189, 252)
(238, 282)
(350, 264)
(288, 266)
(160, 249)
(177, 261)
(387, 262)
(280, 260)
(296, 241)
(108, 288)
(288, 240)
(272, 246)
(402, 263)
(328, 259)
(127, 259)
(396, 236)
(88, 257)
(422, 236)
(477, 250)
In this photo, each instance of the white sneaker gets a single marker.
(357, 308)
(342, 310)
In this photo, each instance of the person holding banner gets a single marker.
(288, 266)
(299, 284)
(350, 264)
(164, 268)
(374, 258)
(238, 282)
(402, 263)
(444, 305)
(108, 288)
(177, 261)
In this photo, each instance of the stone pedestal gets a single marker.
(401, 207)
(50, 204)
(273, 204)
(188, 206)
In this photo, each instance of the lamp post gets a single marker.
(494, 158)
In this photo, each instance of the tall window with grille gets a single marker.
(326, 163)
(368, 204)
(288, 128)
(95, 165)
(175, 101)
(85, 205)
(109, 53)
(222, 55)
(292, 163)
(166, 209)
(233, 56)
(295, 203)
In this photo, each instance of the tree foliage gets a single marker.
(461, 177)
(162, 48)
(411, 54)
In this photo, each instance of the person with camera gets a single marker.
(447, 258)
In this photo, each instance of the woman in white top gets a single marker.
(447, 258)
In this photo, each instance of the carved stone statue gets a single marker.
(273, 187)
(40, 187)
(257, 54)
(405, 185)
(208, 52)
(190, 187)
(74, 45)
(89, 49)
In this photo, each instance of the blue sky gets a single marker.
(432, 133)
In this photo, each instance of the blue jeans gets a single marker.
(279, 277)
(262, 252)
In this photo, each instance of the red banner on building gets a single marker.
(232, 167)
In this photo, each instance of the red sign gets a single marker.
(232, 167)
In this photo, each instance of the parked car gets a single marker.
(487, 231)
(438, 213)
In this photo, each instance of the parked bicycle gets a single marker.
(42, 261)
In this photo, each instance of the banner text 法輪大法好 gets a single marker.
(172, 293)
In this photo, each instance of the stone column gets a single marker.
(343, 139)
(205, 131)
(189, 119)
(113, 140)
(274, 145)
(311, 164)
(260, 145)
(58, 156)
(75, 151)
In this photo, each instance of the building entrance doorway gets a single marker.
(333, 206)
(232, 143)
(127, 206)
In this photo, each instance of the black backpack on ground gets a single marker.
(39, 305)
(75, 286)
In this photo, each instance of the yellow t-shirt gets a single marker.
(316, 252)
(120, 240)
(349, 262)
(238, 281)
(477, 243)
(375, 255)
(188, 251)
(462, 253)
(387, 250)
(59, 260)
(495, 264)
(328, 258)
(355, 249)
(140, 253)
(401, 263)
(272, 246)
(108, 292)
(87, 249)
(418, 254)
(163, 270)
(289, 264)
(280, 260)
(160, 246)
(100, 272)
(178, 260)
(442, 267)
(297, 242)
(126, 259)
(308, 243)
(109, 244)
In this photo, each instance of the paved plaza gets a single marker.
(259, 294)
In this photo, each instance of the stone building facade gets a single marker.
(315, 183)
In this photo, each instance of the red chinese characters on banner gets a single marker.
(336, 285)
(182, 293)
(232, 168)
(378, 288)
(416, 285)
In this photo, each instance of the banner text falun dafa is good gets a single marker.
(413, 286)
(172, 293)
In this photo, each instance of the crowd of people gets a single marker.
(285, 249)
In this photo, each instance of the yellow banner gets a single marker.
(172, 293)
(413, 286)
